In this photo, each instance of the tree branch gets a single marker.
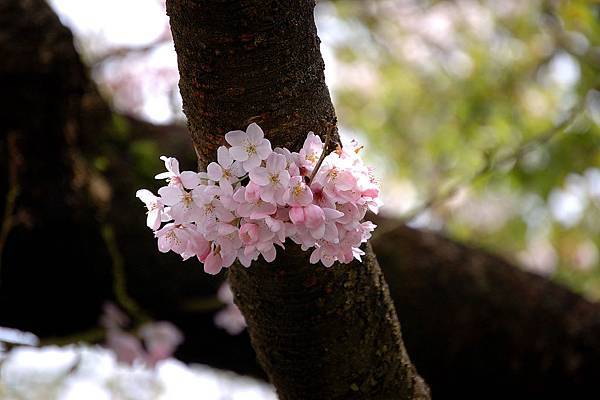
(470, 315)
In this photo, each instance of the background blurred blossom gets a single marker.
(93, 373)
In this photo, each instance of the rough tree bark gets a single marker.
(318, 333)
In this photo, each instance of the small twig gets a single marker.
(94, 335)
(202, 304)
(11, 196)
(119, 281)
(488, 167)
(125, 51)
(240, 179)
(323, 153)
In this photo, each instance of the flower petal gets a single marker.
(260, 176)
(215, 172)
(255, 134)
(145, 195)
(275, 163)
(238, 153)
(153, 219)
(213, 264)
(236, 138)
(251, 163)
(345, 181)
(315, 256)
(264, 209)
(268, 195)
(237, 169)
(263, 149)
(223, 157)
(269, 253)
(189, 179)
(331, 213)
(170, 195)
(163, 175)
(297, 215)
(284, 178)
(171, 164)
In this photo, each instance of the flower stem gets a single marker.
(323, 154)
(240, 180)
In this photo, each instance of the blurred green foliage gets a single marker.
(442, 90)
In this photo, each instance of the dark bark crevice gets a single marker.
(319, 333)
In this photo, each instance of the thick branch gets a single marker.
(319, 333)
(467, 314)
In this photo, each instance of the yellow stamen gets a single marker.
(312, 157)
(172, 237)
(209, 209)
(187, 200)
(297, 190)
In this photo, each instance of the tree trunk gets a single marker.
(49, 233)
(318, 333)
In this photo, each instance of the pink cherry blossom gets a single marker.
(184, 205)
(297, 215)
(253, 199)
(251, 205)
(298, 193)
(230, 318)
(321, 198)
(161, 339)
(197, 246)
(273, 179)
(310, 152)
(226, 170)
(154, 341)
(173, 237)
(250, 147)
(218, 258)
(210, 207)
(187, 179)
(290, 163)
(155, 208)
(126, 346)
(324, 252)
(249, 234)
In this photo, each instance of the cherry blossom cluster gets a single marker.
(254, 198)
